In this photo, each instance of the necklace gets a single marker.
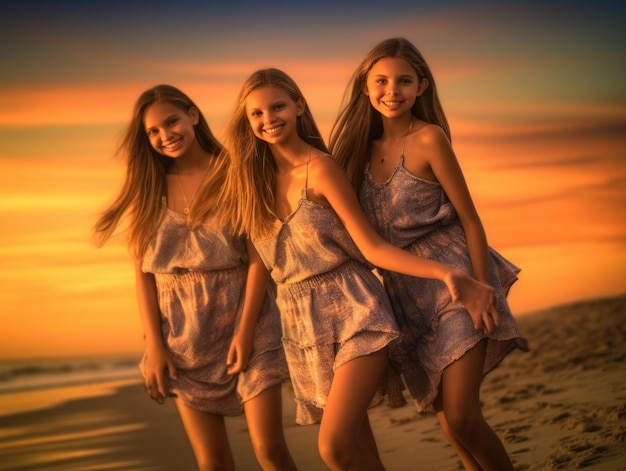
(382, 159)
(182, 187)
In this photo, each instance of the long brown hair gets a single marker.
(247, 204)
(359, 123)
(145, 183)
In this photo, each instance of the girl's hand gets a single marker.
(238, 354)
(478, 298)
(159, 369)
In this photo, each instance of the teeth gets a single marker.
(173, 144)
(272, 131)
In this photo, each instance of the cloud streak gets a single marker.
(534, 94)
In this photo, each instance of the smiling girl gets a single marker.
(295, 202)
(212, 332)
(393, 140)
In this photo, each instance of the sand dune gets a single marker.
(562, 406)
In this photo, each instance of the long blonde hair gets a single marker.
(247, 204)
(145, 183)
(359, 123)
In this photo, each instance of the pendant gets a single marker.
(186, 210)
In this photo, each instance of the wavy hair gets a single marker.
(145, 183)
(358, 123)
(247, 202)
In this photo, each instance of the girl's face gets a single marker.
(170, 128)
(272, 114)
(393, 86)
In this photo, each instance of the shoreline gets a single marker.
(561, 406)
(32, 400)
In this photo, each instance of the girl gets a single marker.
(393, 140)
(291, 197)
(198, 321)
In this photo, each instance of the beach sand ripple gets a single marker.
(561, 406)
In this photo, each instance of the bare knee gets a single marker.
(463, 426)
(335, 452)
(215, 463)
(271, 452)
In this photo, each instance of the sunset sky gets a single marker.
(534, 92)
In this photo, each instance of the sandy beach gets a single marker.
(562, 406)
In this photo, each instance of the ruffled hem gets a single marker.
(311, 387)
(425, 403)
(422, 373)
(264, 371)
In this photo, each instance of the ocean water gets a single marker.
(36, 374)
(33, 384)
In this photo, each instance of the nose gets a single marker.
(165, 135)
(391, 90)
(268, 117)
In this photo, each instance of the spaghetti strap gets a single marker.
(306, 180)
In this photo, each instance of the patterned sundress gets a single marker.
(416, 215)
(200, 277)
(333, 308)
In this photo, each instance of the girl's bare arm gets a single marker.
(255, 290)
(327, 182)
(159, 366)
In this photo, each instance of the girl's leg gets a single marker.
(265, 424)
(207, 434)
(367, 439)
(341, 431)
(469, 463)
(462, 417)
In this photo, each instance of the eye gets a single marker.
(279, 106)
(255, 113)
(151, 132)
(172, 121)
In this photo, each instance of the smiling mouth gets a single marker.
(172, 145)
(273, 130)
(392, 103)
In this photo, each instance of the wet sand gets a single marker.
(562, 406)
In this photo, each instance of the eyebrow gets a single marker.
(399, 76)
(274, 103)
(173, 115)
